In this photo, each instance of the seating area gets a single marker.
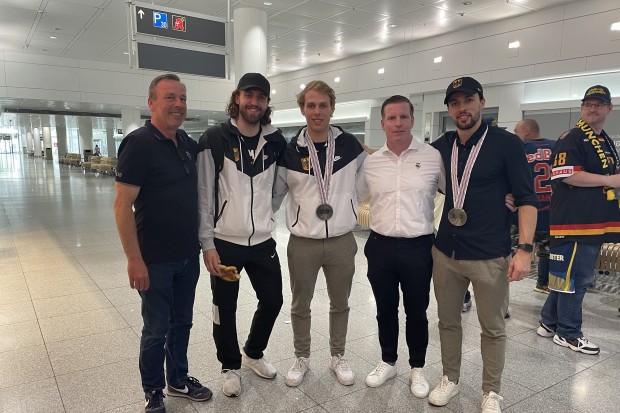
(98, 164)
(71, 159)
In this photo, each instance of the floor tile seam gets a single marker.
(90, 367)
(88, 335)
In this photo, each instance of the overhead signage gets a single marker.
(179, 25)
(177, 60)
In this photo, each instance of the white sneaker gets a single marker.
(260, 366)
(296, 373)
(232, 383)
(380, 374)
(341, 369)
(419, 385)
(445, 390)
(490, 403)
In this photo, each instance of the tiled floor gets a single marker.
(70, 325)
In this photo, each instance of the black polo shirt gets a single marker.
(501, 168)
(166, 209)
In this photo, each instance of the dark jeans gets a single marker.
(262, 266)
(542, 239)
(167, 311)
(408, 262)
(562, 311)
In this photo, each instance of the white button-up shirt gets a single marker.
(402, 189)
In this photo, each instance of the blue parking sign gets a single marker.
(160, 20)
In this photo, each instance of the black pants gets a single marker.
(262, 266)
(408, 262)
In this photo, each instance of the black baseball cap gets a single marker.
(598, 92)
(254, 80)
(467, 85)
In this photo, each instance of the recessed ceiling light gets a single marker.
(125, 52)
(514, 45)
(273, 92)
(302, 86)
(381, 71)
(392, 25)
(615, 26)
(337, 79)
(438, 59)
(53, 37)
(268, 3)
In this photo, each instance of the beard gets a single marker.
(469, 124)
(251, 118)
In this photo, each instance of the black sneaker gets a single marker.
(581, 344)
(154, 402)
(190, 388)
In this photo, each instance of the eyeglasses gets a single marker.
(182, 158)
(595, 106)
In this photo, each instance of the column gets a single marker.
(47, 142)
(131, 120)
(375, 138)
(109, 134)
(85, 133)
(36, 137)
(23, 140)
(250, 47)
(61, 136)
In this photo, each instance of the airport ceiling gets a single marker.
(300, 33)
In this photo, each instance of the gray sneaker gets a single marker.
(232, 383)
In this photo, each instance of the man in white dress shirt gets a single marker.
(402, 179)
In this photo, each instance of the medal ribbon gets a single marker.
(322, 181)
(459, 190)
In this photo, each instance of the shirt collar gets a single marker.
(415, 145)
(473, 139)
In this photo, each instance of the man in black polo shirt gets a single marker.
(156, 175)
(483, 163)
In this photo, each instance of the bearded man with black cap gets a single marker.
(483, 163)
(584, 214)
(236, 173)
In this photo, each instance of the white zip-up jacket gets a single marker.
(296, 176)
(244, 213)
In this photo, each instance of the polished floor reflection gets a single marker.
(70, 325)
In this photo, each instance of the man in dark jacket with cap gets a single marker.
(483, 163)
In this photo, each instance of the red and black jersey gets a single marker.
(583, 213)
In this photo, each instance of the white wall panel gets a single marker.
(101, 81)
(43, 94)
(113, 99)
(584, 8)
(560, 67)
(456, 60)
(590, 35)
(538, 44)
(604, 62)
(37, 76)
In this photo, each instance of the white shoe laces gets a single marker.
(491, 402)
(378, 371)
(417, 377)
(343, 364)
(298, 365)
(444, 384)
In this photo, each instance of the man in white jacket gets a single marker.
(319, 170)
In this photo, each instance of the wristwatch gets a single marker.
(525, 247)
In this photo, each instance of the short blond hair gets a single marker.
(317, 86)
